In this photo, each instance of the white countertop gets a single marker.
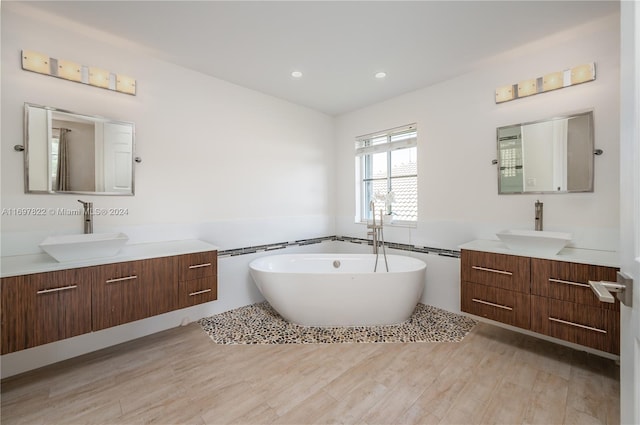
(571, 255)
(38, 263)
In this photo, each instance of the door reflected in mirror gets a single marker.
(548, 156)
(66, 152)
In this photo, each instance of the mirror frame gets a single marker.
(94, 118)
(591, 177)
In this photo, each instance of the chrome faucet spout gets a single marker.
(87, 216)
(538, 216)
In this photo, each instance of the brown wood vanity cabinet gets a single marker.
(496, 286)
(545, 296)
(134, 290)
(46, 307)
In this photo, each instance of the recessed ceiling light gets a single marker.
(380, 75)
(296, 74)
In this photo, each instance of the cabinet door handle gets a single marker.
(62, 288)
(568, 282)
(577, 325)
(484, 269)
(204, 291)
(197, 266)
(504, 307)
(120, 279)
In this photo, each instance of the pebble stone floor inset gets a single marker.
(260, 324)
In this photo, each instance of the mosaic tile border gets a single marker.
(282, 245)
(260, 324)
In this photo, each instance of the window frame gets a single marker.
(368, 145)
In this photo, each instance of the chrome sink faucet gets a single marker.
(538, 217)
(88, 216)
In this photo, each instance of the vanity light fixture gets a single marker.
(99, 77)
(125, 84)
(36, 62)
(505, 93)
(552, 81)
(69, 70)
(528, 87)
(72, 71)
(583, 73)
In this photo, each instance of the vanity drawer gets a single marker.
(570, 281)
(41, 308)
(510, 307)
(197, 291)
(590, 326)
(509, 272)
(117, 294)
(133, 290)
(198, 265)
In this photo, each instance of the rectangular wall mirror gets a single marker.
(67, 152)
(548, 156)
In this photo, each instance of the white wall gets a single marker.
(457, 121)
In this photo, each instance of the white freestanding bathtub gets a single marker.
(340, 289)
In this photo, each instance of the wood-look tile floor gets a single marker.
(181, 377)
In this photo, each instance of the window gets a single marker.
(387, 174)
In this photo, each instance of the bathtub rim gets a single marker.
(261, 264)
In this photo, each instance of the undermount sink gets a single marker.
(534, 241)
(84, 246)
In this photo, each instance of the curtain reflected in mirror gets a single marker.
(60, 160)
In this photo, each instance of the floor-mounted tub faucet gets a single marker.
(373, 228)
(538, 218)
(88, 216)
(378, 237)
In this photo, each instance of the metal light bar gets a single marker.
(552, 81)
(71, 71)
